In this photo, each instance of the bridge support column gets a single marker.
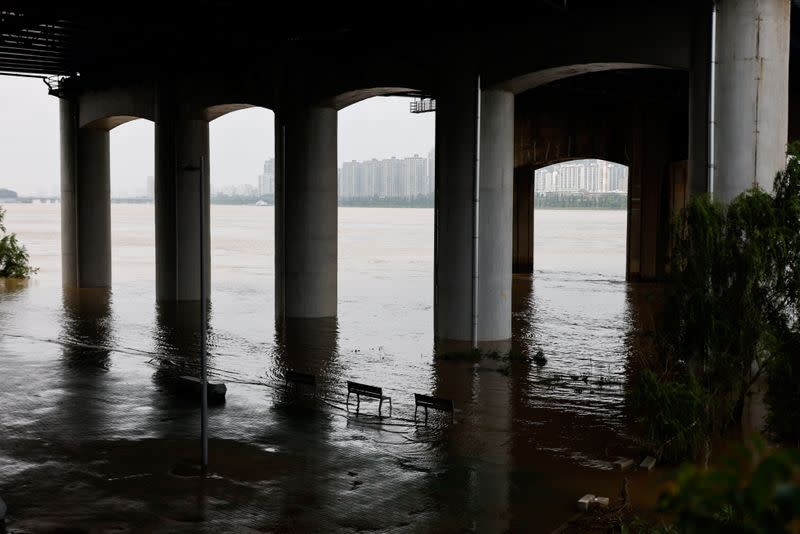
(456, 141)
(523, 221)
(752, 94)
(699, 101)
(306, 213)
(85, 202)
(472, 299)
(182, 150)
(496, 215)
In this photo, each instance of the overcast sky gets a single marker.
(240, 141)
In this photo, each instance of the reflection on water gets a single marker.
(307, 346)
(86, 374)
(87, 329)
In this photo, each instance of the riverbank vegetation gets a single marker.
(731, 324)
(587, 201)
(14, 259)
(752, 489)
(731, 320)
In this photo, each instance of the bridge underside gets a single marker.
(624, 81)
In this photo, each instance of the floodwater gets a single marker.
(91, 430)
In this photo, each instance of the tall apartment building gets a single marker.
(588, 175)
(266, 180)
(386, 178)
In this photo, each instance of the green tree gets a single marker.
(14, 259)
(732, 314)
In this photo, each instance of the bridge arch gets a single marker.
(107, 108)
(355, 96)
(636, 117)
(532, 80)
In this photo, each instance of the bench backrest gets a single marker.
(301, 378)
(433, 402)
(355, 387)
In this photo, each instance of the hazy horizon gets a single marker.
(379, 128)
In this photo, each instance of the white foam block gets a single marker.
(602, 502)
(648, 463)
(585, 501)
(623, 463)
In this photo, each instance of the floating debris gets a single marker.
(623, 463)
(585, 502)
(191, 386)
(601, 502)
(648, 463)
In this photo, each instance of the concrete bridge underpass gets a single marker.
(638, 83)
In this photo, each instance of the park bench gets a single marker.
(192, 387)
(363, 390)
(436, 403)
(301, 379)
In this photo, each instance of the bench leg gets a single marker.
(347, 402)
(415, 411)
(380, 405)
(390, 407)
(358, 402)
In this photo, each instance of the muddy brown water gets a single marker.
(91, 431)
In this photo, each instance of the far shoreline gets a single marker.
(150, 203)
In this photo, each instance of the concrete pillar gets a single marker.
(752, 94)
(181, 149)
(496, 215)
(699, 99)
(306, 213)
(523, 221)
(85, 202)
(456, 141)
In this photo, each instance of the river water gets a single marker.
(89, 417)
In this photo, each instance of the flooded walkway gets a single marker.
(92, 432)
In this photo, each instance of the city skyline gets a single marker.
(384, 123)
(29, 143)
(585, 175)
(411, 176)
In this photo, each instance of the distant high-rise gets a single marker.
(582, 176)
(266, 181)
(405, 178)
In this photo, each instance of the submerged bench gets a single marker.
(364, 390)
(301, 379)
(191, 386)
(436, 403)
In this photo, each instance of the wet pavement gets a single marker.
(95, 439)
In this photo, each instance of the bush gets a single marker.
(14, 259)
(783, 392)
(671, 414)
(732, 309)
(753, 490)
